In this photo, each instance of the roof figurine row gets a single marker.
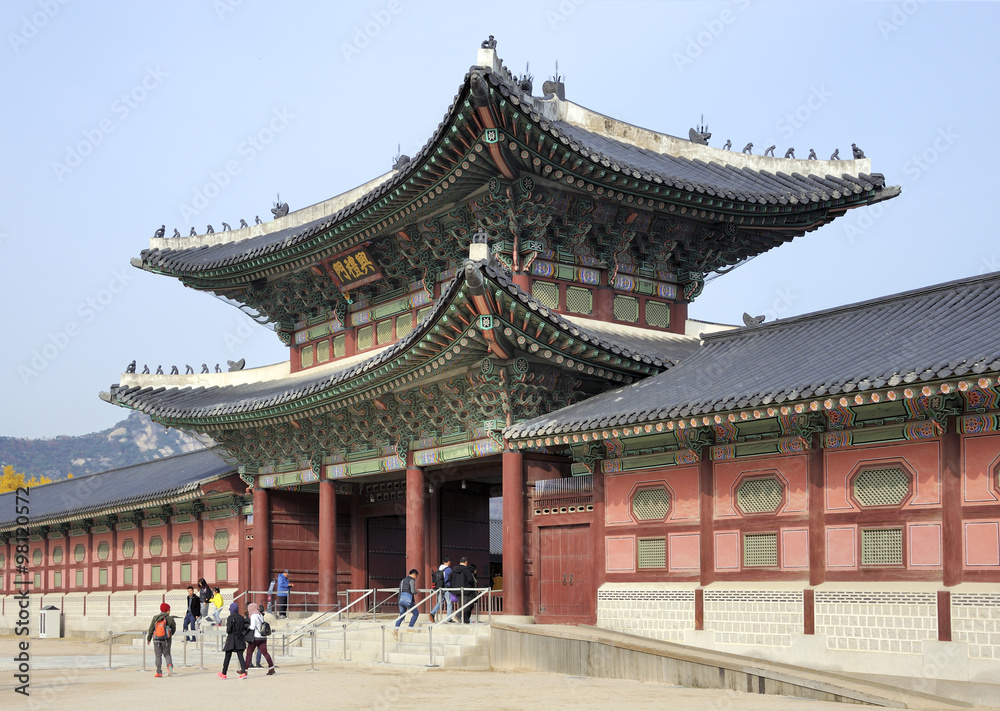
(701, 135)
(234, 365)
(280, 209)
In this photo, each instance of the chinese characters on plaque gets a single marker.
(353, 269)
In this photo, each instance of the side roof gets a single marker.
(127, 488)
(942, 331)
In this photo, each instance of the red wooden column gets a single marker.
(706, 512)
(513, 533)
(951, 503)
(817, 506)
(327, 544)
(415, 520)
(260, 576)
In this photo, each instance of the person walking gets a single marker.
(259, 641)
(160, 633)
(204, 595)
(235, 640)
(463, 578)
(217, 605)
(192, 614)
(282, 590)
(441, 581)
(407, 598)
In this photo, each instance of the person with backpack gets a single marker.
(407, 598)
(256, 636)
(236, 630)
(161, 631)
(440, 582)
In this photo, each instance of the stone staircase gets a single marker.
(456, 646)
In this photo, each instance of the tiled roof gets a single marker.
(948, 330)
(659, 350)
(715, 177)
(131, 486)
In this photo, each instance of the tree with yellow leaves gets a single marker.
(12, 480)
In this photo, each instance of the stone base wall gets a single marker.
(896, 622)
(87, 615)
(657, 614)
(762, 618)
(891, 628)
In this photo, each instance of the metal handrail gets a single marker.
(312, 626)
(415, 604)
(482, 592)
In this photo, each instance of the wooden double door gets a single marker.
(566, 581)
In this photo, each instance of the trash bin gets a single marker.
(50, 622)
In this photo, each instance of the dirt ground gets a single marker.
(71, 674)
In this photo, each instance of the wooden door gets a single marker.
(566, 592)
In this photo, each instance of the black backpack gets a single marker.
(437, 579)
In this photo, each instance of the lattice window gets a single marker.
(128, 548)
(404, 326)
(760, 549)
(185, 543)
(579, 301)
(384, 332)
(221, 570)
(79, 552)
(186, 573)
(323, 351)
(102, 577)
(154, 574)
(307, 356)
(103, 550)
(221, 540)
(422, 313)
(36, 556)
(364, 338)
(340, 346)
(127, 575)
(881, 487)
(546, 293)
(626, 308)
(657, 314)
(759, 495)
(155, 545)
(56, 556)
(882, 546)
(651, 504)
(79, 578)
(652, 553)
(57, 579)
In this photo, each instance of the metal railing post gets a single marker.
(111, 640)
(344, 657)
(430, 644)
(143, 657)
(185, 651)
(312, 650)
(383, 644)
(201, 647)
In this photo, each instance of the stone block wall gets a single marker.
(876, 621)
(975, 620)
(657, 614)
(753, 617)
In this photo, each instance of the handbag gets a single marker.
(406, 599)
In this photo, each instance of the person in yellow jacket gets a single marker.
(217, 604)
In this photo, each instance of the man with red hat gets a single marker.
(160, 633)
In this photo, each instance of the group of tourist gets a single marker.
(448, 584)
(244, 632)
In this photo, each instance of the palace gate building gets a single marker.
(503, 318)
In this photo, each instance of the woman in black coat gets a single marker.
(235, 641)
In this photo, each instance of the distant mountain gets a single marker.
(133, 440)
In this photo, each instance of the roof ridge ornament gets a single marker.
(700, 134)
(280, 209)
(752, 321)
(555, 86)
(400, 159)
(490, 43)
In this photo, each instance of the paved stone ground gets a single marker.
(71, 674)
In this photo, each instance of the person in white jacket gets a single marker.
(257, 640)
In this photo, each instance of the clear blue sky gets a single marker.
(153, 100)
